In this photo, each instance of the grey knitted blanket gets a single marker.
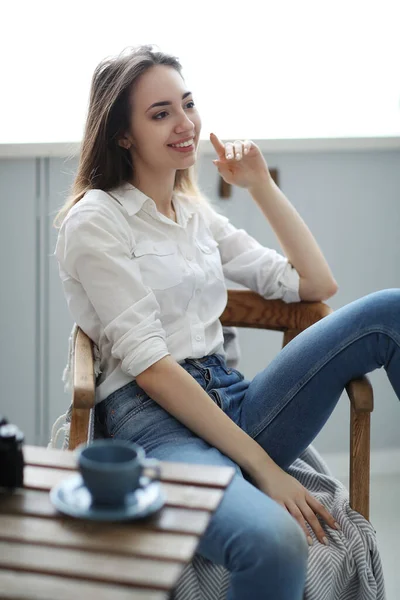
(348, 569)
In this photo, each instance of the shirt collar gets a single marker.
(133, 200)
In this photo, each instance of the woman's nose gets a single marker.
(184, 124)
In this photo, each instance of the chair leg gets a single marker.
(360, 425)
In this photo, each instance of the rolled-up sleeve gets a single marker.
(94, 248)
(247, 262)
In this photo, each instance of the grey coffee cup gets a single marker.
(112, 469)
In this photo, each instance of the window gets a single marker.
(282, 69)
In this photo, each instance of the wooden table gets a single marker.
(46, 555)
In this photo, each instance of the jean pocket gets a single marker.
(124, 404)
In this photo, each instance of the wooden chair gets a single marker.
(248, 309)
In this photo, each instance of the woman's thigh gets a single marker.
(288, 403)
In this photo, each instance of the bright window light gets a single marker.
(262, 70)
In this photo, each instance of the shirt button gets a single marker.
(198, 338)
(189, 256)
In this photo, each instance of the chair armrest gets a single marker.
(84, 383)
(248, 309)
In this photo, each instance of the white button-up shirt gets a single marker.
(142, 286)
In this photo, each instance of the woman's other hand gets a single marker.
(291, 495)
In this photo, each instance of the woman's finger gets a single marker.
(238, 149)
(315, 525)
(247, 146)
(320, 510)
(229, 153)
(297, 514)
(219, 147)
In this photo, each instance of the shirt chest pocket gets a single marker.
(159, 264)
(210, 257)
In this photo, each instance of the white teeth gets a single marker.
(183, 144)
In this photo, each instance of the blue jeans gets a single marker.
(284, 407)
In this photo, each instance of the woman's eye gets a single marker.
(160, 115)
(163, 113)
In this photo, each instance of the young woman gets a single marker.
(142, 259)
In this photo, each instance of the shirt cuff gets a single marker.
(290, 282)
(147, 353)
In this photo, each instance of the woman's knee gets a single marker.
(382, 300)
(377, 311)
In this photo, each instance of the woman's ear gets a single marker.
(124, 142)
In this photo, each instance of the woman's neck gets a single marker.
(160, 191)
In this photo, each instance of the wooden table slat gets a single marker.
(15, 585)
(98, 537)
(49, 457)
(186, 496)
(102, 567)
(37, 504)
(182, 520)
(208, 475)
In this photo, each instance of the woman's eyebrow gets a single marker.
(167, 102)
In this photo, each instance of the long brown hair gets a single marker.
(103, 164)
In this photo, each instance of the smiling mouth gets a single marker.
(183, 148)
(187, 144)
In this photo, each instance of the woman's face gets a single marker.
(163, 115)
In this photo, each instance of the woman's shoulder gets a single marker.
(94, 200)
(94, 213)
(96, 206)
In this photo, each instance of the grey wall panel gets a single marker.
(60, 322)
(18, 294)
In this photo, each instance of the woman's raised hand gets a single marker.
(240, 163)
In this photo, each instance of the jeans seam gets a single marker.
(315, 369)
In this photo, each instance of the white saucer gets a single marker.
(72, 497)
